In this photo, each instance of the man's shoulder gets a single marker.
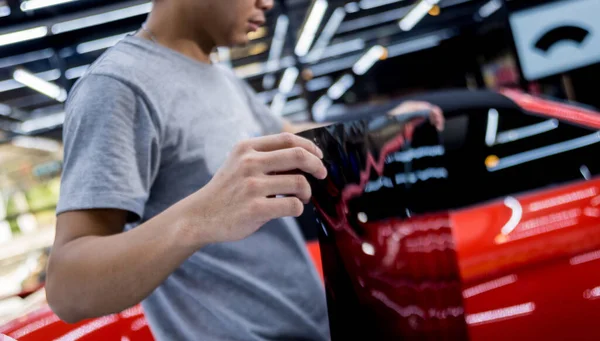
(123, 63)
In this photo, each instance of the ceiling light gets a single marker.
(102, 18)
(290, 75)
(100, 44)
(352, 7)
(339, 88)
(76, 72)
(37, 143)
(278, 104)
(4, 10)
(320, 108)
(26, 58)
(11, 84)
(40, 85)
(369, 59)
(416, 14)
(415, 45)
(24, 35)
(435, 11)
(490, 8)
(42, 123)
(276, 50)
(492, 127)
(369, 4)
(328, 32)
(294, 106)
(373, 20)
(311, 26)
(30, 5)
(318, 84)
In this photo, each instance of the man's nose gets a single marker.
(265, 5)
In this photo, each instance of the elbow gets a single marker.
(68, 309)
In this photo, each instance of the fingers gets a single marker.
(437, 118)
(292, 159)
(284, 141)
(291, 185)
(282, 207)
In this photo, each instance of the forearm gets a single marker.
(98, 275)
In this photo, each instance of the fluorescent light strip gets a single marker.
(343, 48)
(76, 72)
(535, 154)
(328, 32)
(100, 44)
(490, 8)
(26, 58)
(524, 132)
(333, 65)
(281, 27)
(98, 19)
(368, 60)
(369, 4)
(45, 122)
(30, 5)
(257, 69)
(339, 88)
(37, 143)
(294, 106)
(320, 83)
(414, 45)
(352, 7)
(276, 50)
(417, 14)
(310, 28)
(278, 104)
(290, 75)
(492, 127)
(24, 35)
(11, 84)
(40, 85)
(373, 20)
(268, 96)
(4, 11)
(320, 108)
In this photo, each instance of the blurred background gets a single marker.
(315, 60)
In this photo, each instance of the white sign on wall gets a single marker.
(557, 37)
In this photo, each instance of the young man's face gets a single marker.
(228, 22)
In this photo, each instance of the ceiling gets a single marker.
(63, 39)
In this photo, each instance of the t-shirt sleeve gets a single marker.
(271, 123)
(111, 148)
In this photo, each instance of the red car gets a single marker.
(487, 230)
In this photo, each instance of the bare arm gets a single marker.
(95, 269)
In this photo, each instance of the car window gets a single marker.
(481, 155)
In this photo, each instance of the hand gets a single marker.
(249, 189)
(436, 116)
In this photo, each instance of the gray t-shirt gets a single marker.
(146, 127)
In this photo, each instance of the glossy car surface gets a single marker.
(485, 230)
(504, 245)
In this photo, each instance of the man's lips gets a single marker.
(255, 24)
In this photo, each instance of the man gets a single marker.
(178, 188)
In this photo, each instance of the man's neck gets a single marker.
(164, 29)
